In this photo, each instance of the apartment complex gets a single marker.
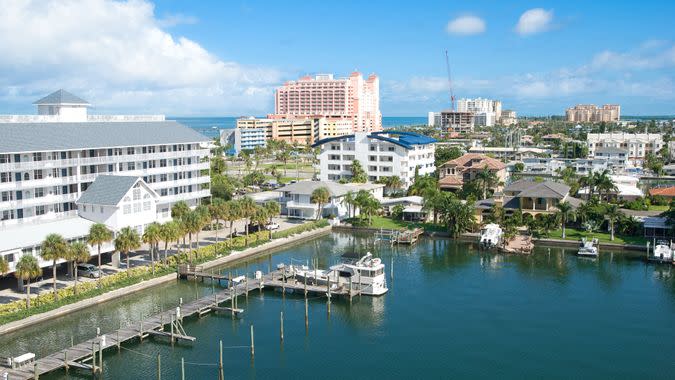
(48, 161)
(354, 98)
(487, 112)
(634, 146)
(508, 117)
(592, 113)
(455, 121)
(381, 154)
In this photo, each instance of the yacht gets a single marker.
(491, 236)
(365, 274)
(588, 248)
(662, 252)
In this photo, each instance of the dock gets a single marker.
(402, 236)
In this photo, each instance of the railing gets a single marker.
(46, 200)
(49, 181)
(40, 218)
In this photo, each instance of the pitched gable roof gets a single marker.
(481, 161)
(61, 97)
(108, 190)
(548, 189)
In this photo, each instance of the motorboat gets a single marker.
(365, 275)
(588, 248)
(663, 252)
(491, 236)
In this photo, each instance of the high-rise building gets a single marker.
(508, 118)
(634, 146)
(456, 121)
(592, 113)
(352, 98)
(50, 165)
(487, 112)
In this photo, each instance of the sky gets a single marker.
(225, 58)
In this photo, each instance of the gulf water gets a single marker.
(451, 312)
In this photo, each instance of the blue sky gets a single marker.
(225, 58)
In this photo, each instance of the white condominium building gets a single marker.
(487, 112)
(635, 145)
(49, 161)
(381, 154)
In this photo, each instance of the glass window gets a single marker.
(126, 209)
(137, 207)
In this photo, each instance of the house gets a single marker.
(616, 156)
(296, 198)
(665, 192)
(626, 188)
(412, 207)
(533, 198)
(454, 173)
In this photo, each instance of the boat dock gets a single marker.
(402, 236)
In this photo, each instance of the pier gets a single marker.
(402, 236)
(88, 355)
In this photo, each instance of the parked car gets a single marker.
(272, 226)
(87, 270)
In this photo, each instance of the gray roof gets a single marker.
(547, 189)
(610, 149)
(61, 97)
(335, 189)
(38, 137)
(107, 190)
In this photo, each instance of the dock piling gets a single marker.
(252, 343)
(119, 347)
(182, 369)
(220, 363)
(100, 358)
(36, 373)
(93, 358)
(306, 315)
(159, 367)
(65, 360)
(72, 343)
(281, 326)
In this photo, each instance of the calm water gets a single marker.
(451, 312)
(205, 125)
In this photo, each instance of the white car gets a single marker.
(272, 226)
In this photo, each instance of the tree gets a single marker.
(99, 234)
(54, 248)
(566, 213)
(272, 209)
(218, 165)
(151, 236)
(283, 155)
(445, 154)
(247, 209)
(4, 266)
(348, 200)
(179, 210)
(397, 212)
(434, 199)
(487, 179)
(223, 186)
(603, 183)
(78, 252)
(422, 185)
(204, 219)
(232, 212)
(27, 268)
(358, 174)
(126, 241)
(254, 178)
(391, 183)
(193, 224)
(320, 196)
(458, 216)
(169, 231)
(612, 213)
(217, 212)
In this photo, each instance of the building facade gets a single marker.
(508, 118)
(48, 161)
(487, 112)
(353, 98)
(592, 113)
(455, 121)
(296, 198)
(453, 174)
(636, 145)
(381, 154)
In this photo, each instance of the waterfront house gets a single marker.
(296, 198)
(533, 198)
(412, 207)
(454, 173)
(665, 192)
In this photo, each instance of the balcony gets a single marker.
(306, 206)
(44, 182)
(46, 200)
(180, 182)
(185, 196)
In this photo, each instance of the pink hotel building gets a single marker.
(323, 96)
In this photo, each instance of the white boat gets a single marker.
(365, 275)
(588, 248)
(491, 236)
(663, 252)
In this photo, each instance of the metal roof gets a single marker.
(40, 137)
(107, 190)
(33, 234)
(61, 97)
(405, 139)
(335, 189)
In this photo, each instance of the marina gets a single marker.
(472, 299)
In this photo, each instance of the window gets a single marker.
(126, 209)
(84, 208)
(162, 163)
(137, 194)
(101, 209)
(137, 207)
(162, 148)
(146, 206)
(37, 156)
(131, 166)
(130, 150)
(391, 148)
(372, 158)
(163, 192)
(5, 177)
(162, 178)
(7, 196)
(39, 192)
(40, 210)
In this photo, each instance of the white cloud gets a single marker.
(116, 55)
(534, 21)
(466, 25)
(170, 20)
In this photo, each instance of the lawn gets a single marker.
(603, 237)
(658, 207)
(391, 224)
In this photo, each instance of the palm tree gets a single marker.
(604, 183)
(78, 252)
(152, 236)
(54, 248)
(232, 213)
(588, 181)
(612, 213)
(126, 241)
(487, 179)
(27, 268)
(348, 200)
(321, 196)
(179, 210)
(192, 223)
(169, 231)
(272, 209)
(283, 156)
(217, 212)
(566, 213)
(99, 234)
(247, 209)
(204, 219)
(4, 266)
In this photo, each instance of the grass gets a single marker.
(603, 237)
(391, 224)
(658, 207)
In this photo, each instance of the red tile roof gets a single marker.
(483, 161)
(668, 192)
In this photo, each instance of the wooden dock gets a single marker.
(402, 236)
(88, 355)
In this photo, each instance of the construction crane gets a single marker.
(452, 96)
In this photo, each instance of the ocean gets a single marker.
(211, 126)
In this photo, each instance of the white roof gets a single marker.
(413, 208)
(623, 190)
(414, 199)
(265, 196)
(28, 235)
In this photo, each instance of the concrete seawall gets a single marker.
(232, 258)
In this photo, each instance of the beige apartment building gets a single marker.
(592, 113)
(456, 121)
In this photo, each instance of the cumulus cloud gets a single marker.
(534, 21)
(118, 56)
(466, 25)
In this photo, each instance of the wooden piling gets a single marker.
(252, 343)
(140, 333)
(93, 358)
(72, 343)
(182, 369)
(281, 326)
(36, 373)
(65, 360)
(220, 363)
(159, 367)
(100, 358)
(119, 347)
(306, 315)
(172, 338)
(305, 277)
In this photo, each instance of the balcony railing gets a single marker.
(46, 200)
